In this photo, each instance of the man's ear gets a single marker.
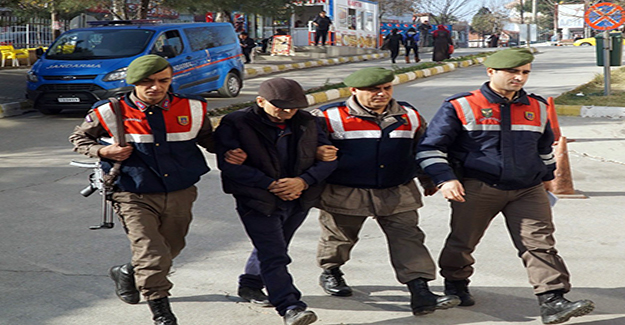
(352, 90)
(260, 101)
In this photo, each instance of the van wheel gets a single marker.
(48, 111)
(231, 87)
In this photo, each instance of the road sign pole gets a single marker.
(606, 62)
(605, 16)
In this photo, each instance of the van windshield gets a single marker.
(99, 44)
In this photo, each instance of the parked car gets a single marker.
(590, 41)
(86, 65)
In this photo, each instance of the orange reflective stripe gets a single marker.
(183, 121)
(478, 114)
(344, 126)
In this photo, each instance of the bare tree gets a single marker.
(447, 11)
(395, 7)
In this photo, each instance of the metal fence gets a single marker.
(20, 33)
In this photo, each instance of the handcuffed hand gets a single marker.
(288, 189)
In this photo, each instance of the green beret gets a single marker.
(510, 58)
(145, 66)
(369, 77)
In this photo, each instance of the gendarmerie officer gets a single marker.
(489, 151)
(376, 137)
(155, 190)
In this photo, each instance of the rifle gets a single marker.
(96, 183)
(102, 182)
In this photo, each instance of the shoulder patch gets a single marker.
(456, 96)
(328, 106)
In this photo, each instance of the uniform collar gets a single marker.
(165, 104)
(495, 98)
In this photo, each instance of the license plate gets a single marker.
(69, 100)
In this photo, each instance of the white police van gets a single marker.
(86, 65)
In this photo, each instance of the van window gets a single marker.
(201, 38)
(99, 44)
(170, 38)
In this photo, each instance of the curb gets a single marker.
(14, 108)
(255, 72)
(590, 111)
(333, 94)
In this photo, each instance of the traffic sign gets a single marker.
(604, 16)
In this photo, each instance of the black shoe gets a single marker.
(555, 309)
(333, 283)
(423, 301)
(125, 287)
(162, 312)
(299, 316)
(255, 296)
(460, 288)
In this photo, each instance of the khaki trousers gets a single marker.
(409, 256)
(156, 225)
(528, 218)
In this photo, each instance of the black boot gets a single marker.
(423, 301)
(299, 316)
(125, 288)
(162, 312)
(460, 288)
(555, 309)
(332, 282)
(255, 296)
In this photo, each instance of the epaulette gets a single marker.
(100, 103)
(190, 96)
(407, 104)
(328, 106)
(459, 95)
(537, 97)
(106, 100)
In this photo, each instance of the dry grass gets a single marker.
(592, 93)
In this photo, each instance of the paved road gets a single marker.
(53, 269)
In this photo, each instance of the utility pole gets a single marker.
(555, 22)
(534, 17)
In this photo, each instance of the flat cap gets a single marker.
(145, 66)
(283, 93)
(369, 77)
(510, 58)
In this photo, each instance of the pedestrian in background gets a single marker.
(322, 26)
(411, 43)
(424, 33)
(493, 41)
(376, 137)
(274, 187)
(155, 191)
(442, 40)
(490, 151)
(247, 45)
(394, 40)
